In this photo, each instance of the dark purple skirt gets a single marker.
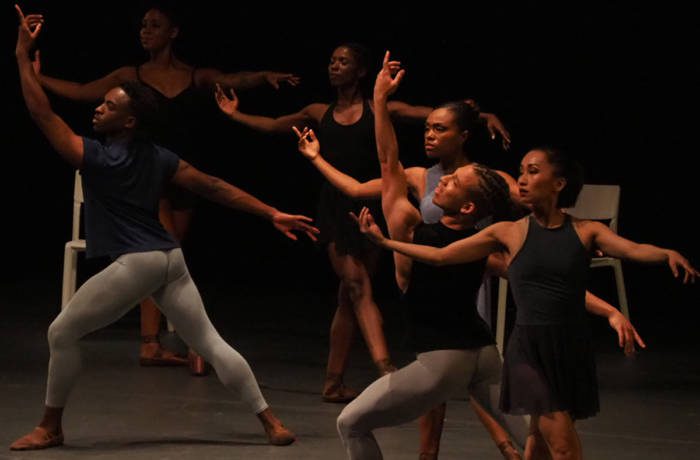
(550, 368)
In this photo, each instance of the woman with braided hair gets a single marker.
(449, 130)
(549, 371)
(454, 346)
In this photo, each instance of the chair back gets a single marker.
(77, 204)
(598, 202)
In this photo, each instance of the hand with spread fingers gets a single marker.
(286, 223)
(275, 78)
(226, 104)
(676, 261)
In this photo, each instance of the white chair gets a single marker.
(602, 202)
(595, 202)
(74, 246)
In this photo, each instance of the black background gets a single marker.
(615, 85)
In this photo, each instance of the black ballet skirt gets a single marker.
(550, 368)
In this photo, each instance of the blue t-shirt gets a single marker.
(122, 183)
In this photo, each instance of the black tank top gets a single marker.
(178, 119)
(441, 301)
(548, 276)
(350, 148)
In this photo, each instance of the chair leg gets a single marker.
(70, 262)
(501, 313)
(621, 292)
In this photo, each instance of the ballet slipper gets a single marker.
(279, 435)
(153, 354)
(38, 438)
(335, 391)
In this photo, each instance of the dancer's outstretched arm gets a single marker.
(348, 185)
(228, 103)
(222, 192)
(612, 244)
(626, 333)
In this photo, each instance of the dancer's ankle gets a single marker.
(51, 421)
(509, 451)
(384, 366)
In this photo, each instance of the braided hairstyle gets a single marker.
(492, 196)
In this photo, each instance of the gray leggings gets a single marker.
(108, 295)
(410, 392)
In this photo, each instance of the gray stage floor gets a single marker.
(650, 405)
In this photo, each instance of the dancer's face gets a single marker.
(452, 192)
(343, 68)
(538, 182)
(113, 115)
(442, 137)
(156, 30)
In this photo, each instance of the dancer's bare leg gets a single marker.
(496, 431)
(355, 306)
(341, 338)
(430, 426)
(559, 434)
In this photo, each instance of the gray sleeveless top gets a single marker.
(428, 211)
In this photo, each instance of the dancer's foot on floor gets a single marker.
(335, 391)
(38, 438)
(152, 353)
(277, 433)
(280, 435)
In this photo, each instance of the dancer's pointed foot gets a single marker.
(38, 438)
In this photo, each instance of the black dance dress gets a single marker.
(176, 130)
(352, 150)
(549, 364)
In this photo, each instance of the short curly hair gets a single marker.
(143, 104)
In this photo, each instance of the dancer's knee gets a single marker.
(59, 336)
(346, 423)
(355, 288)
